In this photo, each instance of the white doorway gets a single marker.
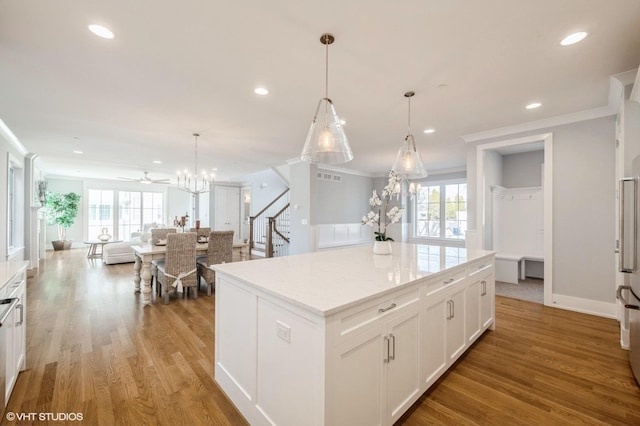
(484, 197)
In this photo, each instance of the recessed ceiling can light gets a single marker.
(428, 131)
(101, 31)
(77, 152)
(261, 91)
(573, 38)
(533, 105)
(157, 162)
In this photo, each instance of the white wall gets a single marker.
(493, 177)
(6, 147)
(583, 214)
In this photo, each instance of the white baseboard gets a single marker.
(342, 234)
(585, 306)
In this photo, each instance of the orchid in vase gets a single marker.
(380, 214)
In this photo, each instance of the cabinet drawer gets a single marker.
(448, 278)
(361, 318)
(480, 266)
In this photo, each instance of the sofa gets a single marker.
(123, 252)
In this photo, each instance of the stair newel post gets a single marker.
(251, 245)
(269, 247)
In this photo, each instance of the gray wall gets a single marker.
(344, 202)
(583, 209)
(522, 170)
(302, 202)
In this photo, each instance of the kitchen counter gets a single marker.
(317, 281)
(345, 336)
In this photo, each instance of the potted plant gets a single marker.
(62, 210)
(384, 216)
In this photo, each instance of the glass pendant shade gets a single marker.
(408, 164)
(326, 141)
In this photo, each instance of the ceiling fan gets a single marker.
(146, 179)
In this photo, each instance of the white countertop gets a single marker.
(326, 282)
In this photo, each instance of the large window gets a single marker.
(100, 209)
(441, 211)
(134, 208)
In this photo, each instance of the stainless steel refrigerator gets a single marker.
(629, 295)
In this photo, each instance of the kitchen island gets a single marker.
(345, 336)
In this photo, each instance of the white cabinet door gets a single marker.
(434, 338)
(227, 210)
(356, 396)
(20, 331)
(456, 342)
(487, 299)
(472, 316)
(378, 372)
(10, 370)
(403, 366)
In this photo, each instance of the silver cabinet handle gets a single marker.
(449, 310)
(453, 309)
(391, 306)
(449, 281)
(623, 300)
(386, 357)
(21, 307)
(482, 266)
(393, 347)
(483, 292)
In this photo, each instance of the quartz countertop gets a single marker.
(327, 282)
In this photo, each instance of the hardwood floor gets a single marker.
(93, 349)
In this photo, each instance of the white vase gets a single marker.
(382, 247)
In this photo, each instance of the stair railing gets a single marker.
(259, 223)
(278, 233)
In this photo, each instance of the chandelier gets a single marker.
(191, 183)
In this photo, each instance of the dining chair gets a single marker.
(220, 250)
(178, 270)
(158, 235)
(202, 232)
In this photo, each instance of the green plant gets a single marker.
(62, 210)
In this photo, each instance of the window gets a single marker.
(15, 205)
(441, 211)
(100, 209)
(134, 208)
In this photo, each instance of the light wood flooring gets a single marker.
(93, 349)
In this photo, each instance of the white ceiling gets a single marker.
(175, 68)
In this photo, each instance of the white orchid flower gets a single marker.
(375, 200)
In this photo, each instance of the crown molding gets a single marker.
(559, 120)
(7, 134)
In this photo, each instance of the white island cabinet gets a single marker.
(346, 337)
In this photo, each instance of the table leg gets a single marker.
(136, 277)
(146, 279)
(89, 252)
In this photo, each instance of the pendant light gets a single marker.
(326, 141)
(408, 164)
(192, 184)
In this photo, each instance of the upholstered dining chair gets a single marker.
(220, 250)
(178, 270)
(157, 235)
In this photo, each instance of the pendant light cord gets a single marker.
(409, 119)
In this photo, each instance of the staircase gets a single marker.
(269, 228)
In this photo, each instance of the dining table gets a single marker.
(146, 253)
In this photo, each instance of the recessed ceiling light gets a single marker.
(101, 31)
(533, 105)
(157, 162)
(77, 152)
(261, 91)
(573, 38)
(343, 122)
(427, 131)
